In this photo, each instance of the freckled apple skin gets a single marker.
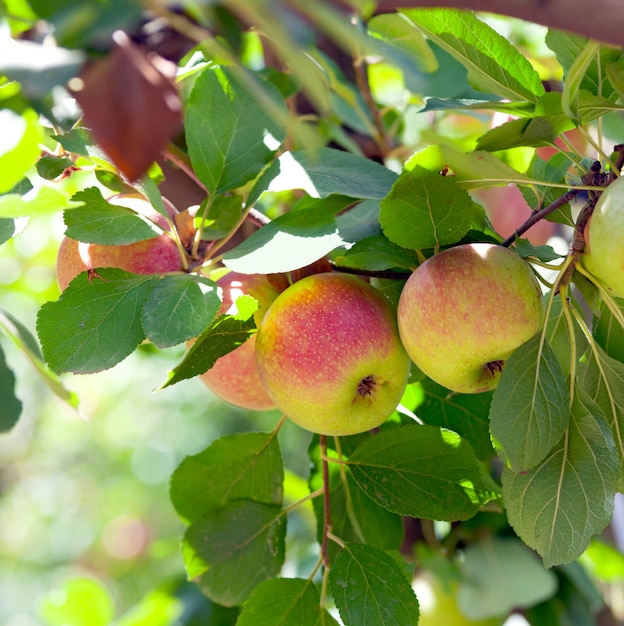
(604, 239)
(329, 355)
(234, 377)
(151, 256)
(465, 308)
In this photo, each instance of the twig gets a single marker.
(326, 502)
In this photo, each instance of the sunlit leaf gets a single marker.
(558, 505)
(41, 200)
(95, 323)
(242, 466)
(421, 471)
(287, 243)
(178, 308)
(494, 65)
(369, 588)
(221, 337)
(231, 550)
(425, 210)
(287, 602)
(226, 130)
(529, 411)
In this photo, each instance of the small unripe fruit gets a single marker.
(604, 239)
(329, 355)
(464, 311)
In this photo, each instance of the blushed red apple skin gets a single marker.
(467, 307)
(152, 256)
(234, 377)
(329, 355)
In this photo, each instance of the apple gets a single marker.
(234, 377)
(464, 311)
(151, 256)
(604, 253)
(329, 355)
(438, 604)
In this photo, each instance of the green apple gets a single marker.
(464, 311)
(329, 355)
(604, 239)
(438, 604)
(151, 256)
(234, 377)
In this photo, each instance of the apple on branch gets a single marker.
(604, 234)
(464, 311)
(234, 377)
(329, 355)
(151, 256)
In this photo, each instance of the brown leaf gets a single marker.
(131, 105)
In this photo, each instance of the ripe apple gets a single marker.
(151, 256)
(604, 234)
(464, 311)
(234, 377)
(329, 355)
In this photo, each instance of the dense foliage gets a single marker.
(286, 139)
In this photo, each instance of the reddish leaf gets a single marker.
(131, 105)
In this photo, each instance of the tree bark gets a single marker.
(602, 20)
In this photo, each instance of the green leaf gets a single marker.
(602, 378)
(574, 77)
(400, 34)
(499, 575)
(480, 169)
(99, 221)
(222, 216)
(285, 602)
(221, 337)
(50, 167)
(11, 406)
(231, 550)
(558, 505)
(425, 210)
(328, 171)
(245, 466)
(558, 337)
(43, 200)
(378, 253)
(369, 588)
(28, 346)
(421, 471)
(494, 65)
(291, 241)
(569, 48)
(534, 132)
(466, 414)
(178, 308)
(19, 145)
(78, 141)
(608, 332)
(615, 74)
(95, 323)
(226, 129)
(7, 230)
(529, 411)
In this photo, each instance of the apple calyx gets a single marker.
(366, 386)
(492, 368)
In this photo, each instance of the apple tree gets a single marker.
(210, 159)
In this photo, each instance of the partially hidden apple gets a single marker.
(329, 355)
(151, 256)
(438, 604)
(465, 310)
(234, 377)
(604, 236)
